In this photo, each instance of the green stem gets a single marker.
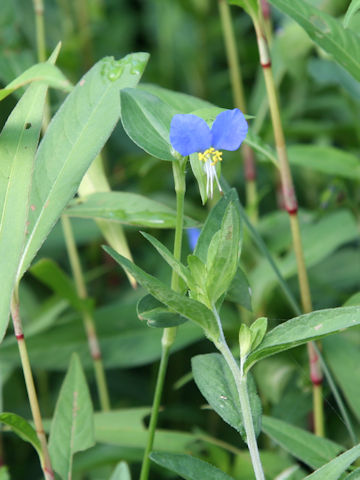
(169, 334)
(240, 102)
(241, 385)
(88, 320)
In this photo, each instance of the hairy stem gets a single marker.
(169, 334)
(241, 384)
(30, 387)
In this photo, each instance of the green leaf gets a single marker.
(333, 469)
(4, 473)
(327, 32)
(180, 102)
(18, 141)
(302, 329)
(324, 159)
(23, 429)
(175, 265)
(156, 314)
(46, 73)
(350, 12)
(121, 472)
(307, 447)
(189, 308)
(75, 136)
(125, 428)
(72, 427)
(213, 224)
(343, 358)
(239, 290)
(146, 119)
(127, 208)
(189, 468)
(49, 273)
(355, 475)
(258, 330)
(216, 382)
(223, 254)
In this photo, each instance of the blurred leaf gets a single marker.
(216, 382)
(329, 160)
(74, 137)
(23, 429)
(42, 72)
(126, 428)
(188, 467)
(4, 473)
(302, 329)
(353, 7)
(146, 120)
(49, 273)
(307, 447)
(333, 469)
(156, 314)
(343, 358)
(250, 6)
(18, 142)
(72, 427)
(127, 208)
(189, 308)
(327, 32)
(121, 472)
(355, 475)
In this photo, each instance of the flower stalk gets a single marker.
(169, 334)
(291, 206)
(239, 102)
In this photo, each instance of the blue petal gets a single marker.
(193, 235)
(229, 130)
(189, 134)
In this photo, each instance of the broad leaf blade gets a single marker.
(146, 120)
(307, 447)
(72, 428)
(18, 142)
(189, 468)
(191, 309)
(216, 382)
(304, 328)
(75, 136)
(156, 314)
(327, 32)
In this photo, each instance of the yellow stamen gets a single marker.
(211, 155)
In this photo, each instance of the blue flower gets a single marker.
(191, 134)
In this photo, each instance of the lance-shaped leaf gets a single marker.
(189, 308)
(304, 328)
(42, 72)
(156, 314)
(327, 32)
(23, 429)
(75, 136)
(18, 142)
(333, 469)
(121, 472)
(72, 428)
(189, 468)
(127, 208)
